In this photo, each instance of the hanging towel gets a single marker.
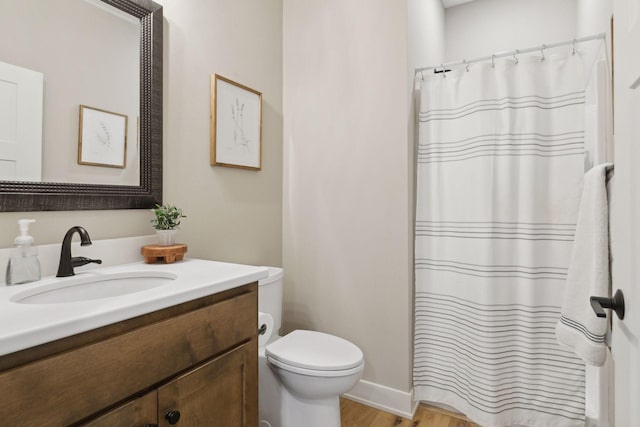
(578, 327)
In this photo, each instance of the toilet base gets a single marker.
(310, 413)
(279, 408)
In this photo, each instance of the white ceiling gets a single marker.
(451, 3)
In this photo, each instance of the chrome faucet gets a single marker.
(67, 263)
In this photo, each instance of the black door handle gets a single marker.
(616, 303)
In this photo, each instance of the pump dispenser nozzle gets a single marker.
(24, 238)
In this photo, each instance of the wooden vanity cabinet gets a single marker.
(194, 364)
(139, 412)
(203, 402)
(198, 399)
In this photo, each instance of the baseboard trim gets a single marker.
(384, 398)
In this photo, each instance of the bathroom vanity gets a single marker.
(184, 353)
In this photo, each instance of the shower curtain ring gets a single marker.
(544, 46)
(464, 61)
(422, 74)
(493, 61)
(443, 71)
(515, 58)
(574, 47)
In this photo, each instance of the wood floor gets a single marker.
(357, 415)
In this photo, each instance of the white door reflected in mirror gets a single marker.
(20, 123)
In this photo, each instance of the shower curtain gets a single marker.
(500, 163)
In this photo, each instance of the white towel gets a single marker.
(579, 328)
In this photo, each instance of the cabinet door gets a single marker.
(139, 412)
(220, 393)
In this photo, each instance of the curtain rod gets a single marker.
(512, 53)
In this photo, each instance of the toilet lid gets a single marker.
(315, 350)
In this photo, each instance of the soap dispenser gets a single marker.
(23, 266)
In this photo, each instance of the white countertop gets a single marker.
(27, 325)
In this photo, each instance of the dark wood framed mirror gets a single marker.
(16, 196)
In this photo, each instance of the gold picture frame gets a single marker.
(236, 124)
(102, 138)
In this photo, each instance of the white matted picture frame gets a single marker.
(236, 124)
(102, 138)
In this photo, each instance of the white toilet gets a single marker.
(301, 374)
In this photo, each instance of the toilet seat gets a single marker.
(316, 372)
(315, 354)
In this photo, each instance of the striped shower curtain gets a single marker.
(499, 171)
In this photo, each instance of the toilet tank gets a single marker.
(270, 296)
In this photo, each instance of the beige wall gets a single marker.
(51, 226)
(233, 215)
(345, 238)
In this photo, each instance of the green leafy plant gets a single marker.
(167, 217)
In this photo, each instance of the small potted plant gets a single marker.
(166, 222)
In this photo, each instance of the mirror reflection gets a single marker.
(56, 56)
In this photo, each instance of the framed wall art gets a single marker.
(102, 138)
(236, 125)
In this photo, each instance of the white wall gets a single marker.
(593, 17)
(426, 29)
(483, 27)
(426, 39)
(345, 236)
(233, 215)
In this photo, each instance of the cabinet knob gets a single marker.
(172, 416)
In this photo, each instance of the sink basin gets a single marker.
(93, 286)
